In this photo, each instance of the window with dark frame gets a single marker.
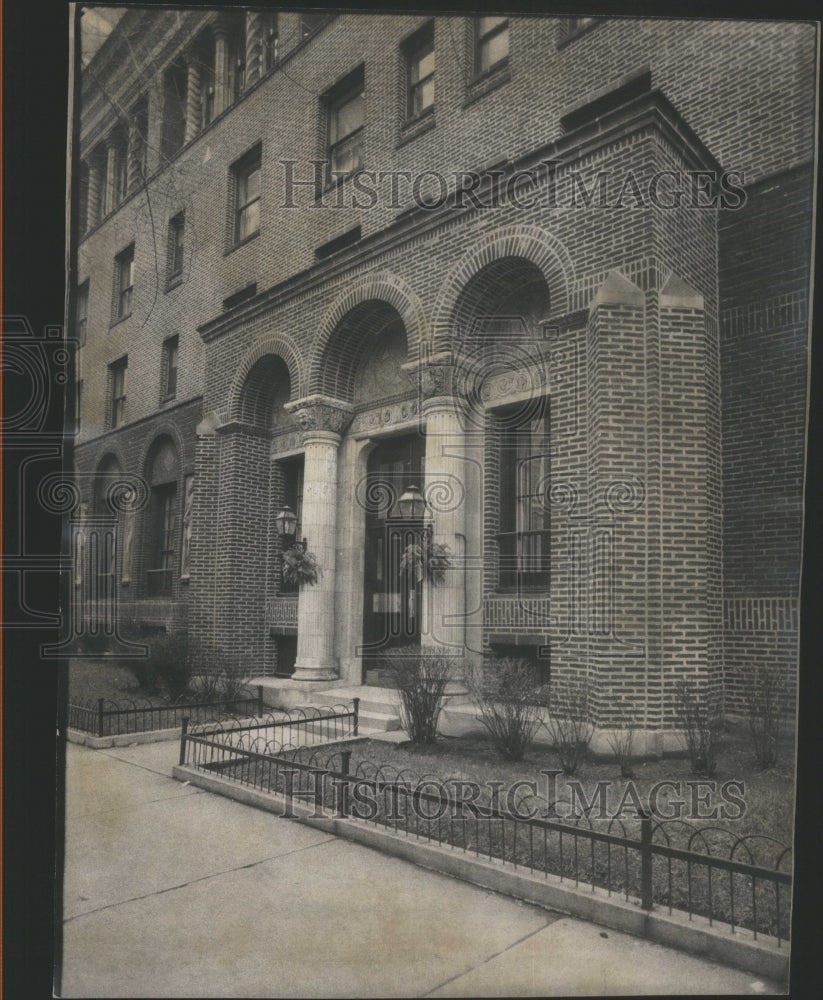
(309, 23)
(524, 537)
(81, 312)
(491, 43)
(121, 171)
(169, 368)
(177, 231)
(164, 525)
(247, 196)
(124, 277)
(117, 411)
(346, 108)
(419, 54)
(271, 41)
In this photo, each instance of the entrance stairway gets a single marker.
(378, 706)
(378, 712)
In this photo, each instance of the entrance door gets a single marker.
(392, 602)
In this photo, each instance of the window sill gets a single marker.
(241, 243)
(168, 399)
(416, 126)
(174, 282)
(119, 320)
(337, 180)
(488, 81)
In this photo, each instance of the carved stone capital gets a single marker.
(321, 413)
(435, 375)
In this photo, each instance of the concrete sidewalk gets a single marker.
(174, 892)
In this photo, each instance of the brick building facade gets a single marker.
(559, 283)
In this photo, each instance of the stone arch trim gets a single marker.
(388, 288)
(536, 245)
(105, 451)
(276, 344)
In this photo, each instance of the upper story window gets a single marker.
(419, 56)
(81, 312)
(171, 348)
(271, 41)
(246, 183)
(524, 537)
(237, 56)
(83, 199)
(117, 395)
(491, 43)
(346, 109)
(124, 282)
(120, 172)
(175, 90)
(309, 23)
(138, 141)
(177, 232)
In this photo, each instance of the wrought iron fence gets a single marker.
(109, 718)
(705, 871)
(274, 730)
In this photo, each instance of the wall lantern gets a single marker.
(286, 522)
(412, 504)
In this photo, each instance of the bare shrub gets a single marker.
(764, 692)
(621, 740)
(699, 712)
(420, 677)
(568, 722)
(508, 704)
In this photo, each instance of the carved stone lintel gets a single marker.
(321, 413)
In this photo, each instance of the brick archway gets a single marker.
(385, 289)
(278, 346)
(528, 243)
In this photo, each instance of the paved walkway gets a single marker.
(171, 891)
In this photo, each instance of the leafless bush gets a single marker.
(569, 720)
(507, 701)
(699, 713)
(421, 677)
(764, 692)
(621, 740)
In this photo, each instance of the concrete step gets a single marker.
(380, 721)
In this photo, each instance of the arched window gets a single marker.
(161, 536)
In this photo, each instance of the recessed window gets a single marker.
(169, 367)
(177, 231)
(419, 54)
(117, 397)
(175, 91)
(524, 535)
(138, 141)
(124, 282)
(121, 172)
(246, 175)
(81, 312)
(491, 46)
(271, 42)
(309, 23)
(161, 519)
(346, 108)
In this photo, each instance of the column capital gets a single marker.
(436, 375)
(319, 413)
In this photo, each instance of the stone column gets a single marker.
(322, 420)
(222, 97)
(254, 47)
(193, 110)
(445, 491)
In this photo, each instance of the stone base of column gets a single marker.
(314, 672)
